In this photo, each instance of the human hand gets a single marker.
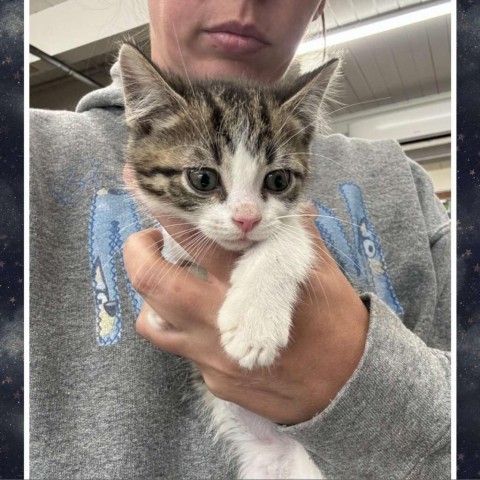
(327, 340)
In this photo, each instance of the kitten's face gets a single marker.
(230, 168)
(230, 159)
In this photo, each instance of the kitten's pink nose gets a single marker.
(246, 223)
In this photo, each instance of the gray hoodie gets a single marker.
(105, 403)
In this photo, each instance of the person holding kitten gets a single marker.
(361, 388)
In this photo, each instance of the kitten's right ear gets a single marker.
(147, 94)
(304, 95)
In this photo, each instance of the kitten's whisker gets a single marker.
(186, 145)
(297, 133)
(190, 82)
(188, 243)
(321, 215)
(343, 107)
(316, 273)
(126, 227)
(280, 131)
(194, 244)
(201, 250)
(169, 225)
(314, 154)
(174, 261)
(321, 251)
(156, 244)
(330, 159)
(198, 245)
(308, 280)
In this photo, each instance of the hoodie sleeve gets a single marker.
(392, 418)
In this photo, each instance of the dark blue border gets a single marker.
(468, 238)
(11, 238)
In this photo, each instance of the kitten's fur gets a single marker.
(242, 131)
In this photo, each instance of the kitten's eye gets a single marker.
(203, 179)
(277, 181)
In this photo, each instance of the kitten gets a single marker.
(232, 158)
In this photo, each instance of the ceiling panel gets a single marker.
(344, 12)
(363, 9)
(383, 6)
(331, 21)
(422, 57)
(346, 97)
(385, 59)
(399, 65)
(39, 5)
(402, 54)
(364, 60)
(439, 40)
(359, 83)
(409, 3)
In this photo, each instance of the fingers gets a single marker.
(159, 332)
(198, 342)
(171, 290)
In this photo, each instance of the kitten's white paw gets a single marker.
(247, 351)
(251, 337)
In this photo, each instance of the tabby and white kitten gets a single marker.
(233, 159)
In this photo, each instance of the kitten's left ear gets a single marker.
(305, 94)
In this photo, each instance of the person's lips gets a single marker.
(233, 37)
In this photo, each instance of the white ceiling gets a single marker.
(343, 12)
(396, 66)
(38, 5)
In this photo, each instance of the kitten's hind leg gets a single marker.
(256, 446)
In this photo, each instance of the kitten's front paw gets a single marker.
(251, 337)
(247, 351)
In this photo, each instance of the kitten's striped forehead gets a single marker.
(253, 117)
